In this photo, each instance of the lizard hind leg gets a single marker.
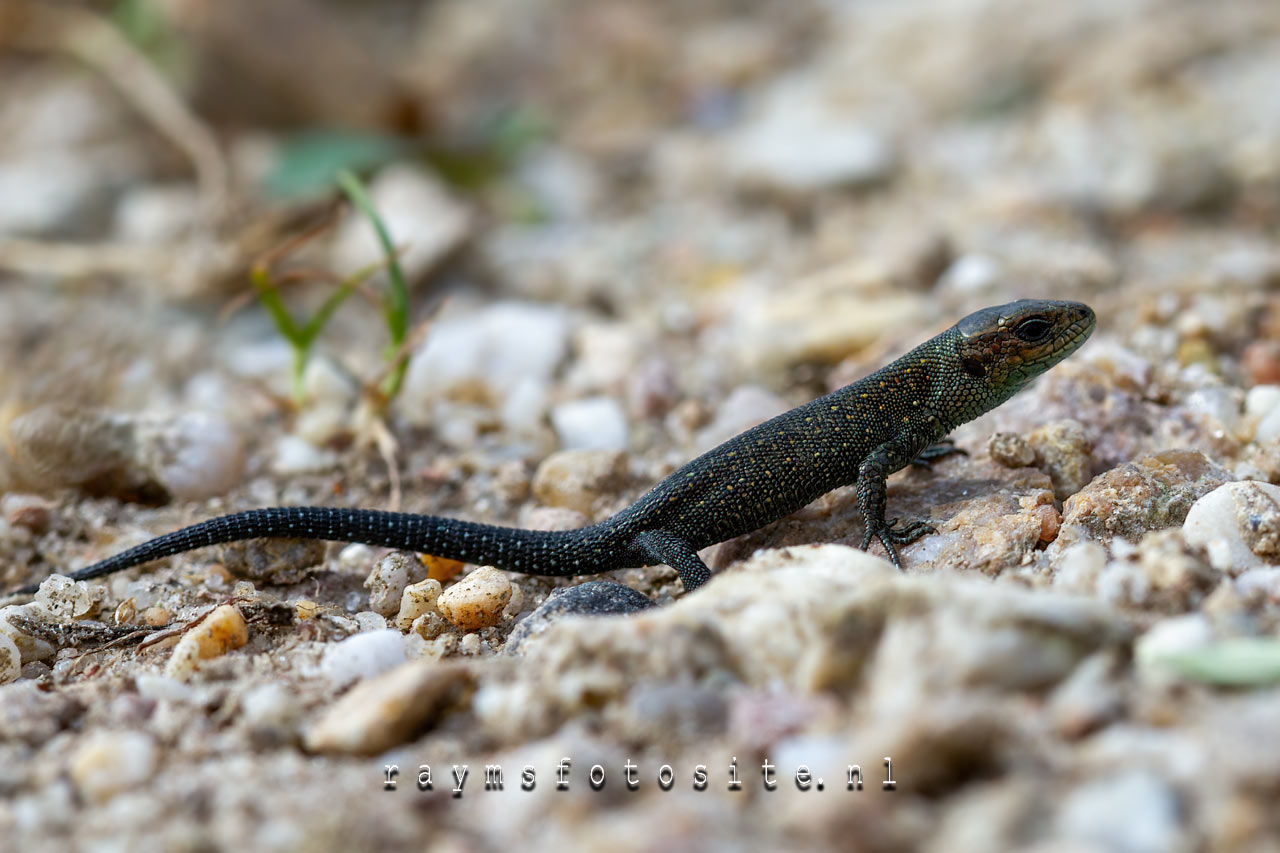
(663, 546)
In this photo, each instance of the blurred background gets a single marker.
(681, 196)
(393, 254)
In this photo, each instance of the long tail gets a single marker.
(536, 552)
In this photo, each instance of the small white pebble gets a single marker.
(164, 688)
(1171, 636)
(744, 407)
(106, 763)
(362, 655)
(387, 581)
(1268, 428)
(66, 599)
(10, 659)
(1220, 403)
(367, 620)
(295, 456)
(194, 457)
(31, 648)
(1080, 566)
(594, 423)
(972, 273)
(355, 556)
(418, 598)
(509, 350)
(1264, 582)
(270, 705)
(1261, 400)
(1215, 523)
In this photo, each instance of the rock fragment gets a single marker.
(392, 708)
(1239, 525)
(107, 763)
(1011, 450)
(417, 599)
(593, 598)
(577, 479)
(220, 632)
(478, 600)
(1062, 450)
(362, 656)
(1150, 493)
(387, 582)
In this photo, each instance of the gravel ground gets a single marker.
(716, 211)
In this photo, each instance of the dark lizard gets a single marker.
(859, 434)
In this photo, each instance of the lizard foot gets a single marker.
(890, 535)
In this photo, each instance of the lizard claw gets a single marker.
(890, 536)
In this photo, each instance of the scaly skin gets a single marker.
(859, 434)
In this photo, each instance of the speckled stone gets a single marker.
(1239, 526)
(1063, 451)
(478, 600)
(280, 561)
(1150, 493)
(1010, 450)
(593, 598)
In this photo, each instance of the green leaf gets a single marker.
(308, 164)
(1237, 662)
(395, 302)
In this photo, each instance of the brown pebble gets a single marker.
(389, 709)
(1050, 523)
(157, 615)
(32, 514)
(577, 478)
(1261, 363)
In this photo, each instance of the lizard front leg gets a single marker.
(872, 473)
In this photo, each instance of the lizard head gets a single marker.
(1000, 349)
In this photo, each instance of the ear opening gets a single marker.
(973, 366)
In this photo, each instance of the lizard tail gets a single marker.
(535, 552)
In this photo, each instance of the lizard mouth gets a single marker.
(1074, 336)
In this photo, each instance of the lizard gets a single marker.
(860, 434)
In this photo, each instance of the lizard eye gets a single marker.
(1033, 329)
